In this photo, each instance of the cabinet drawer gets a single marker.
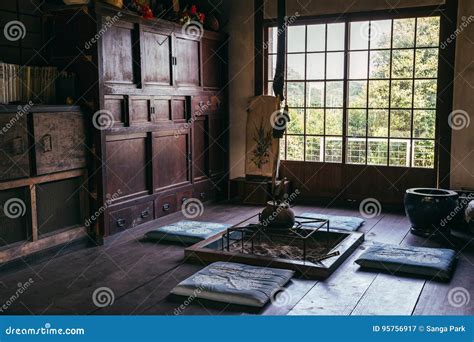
(130, 217)
(14, 158)
(204, 190)
(165, 205)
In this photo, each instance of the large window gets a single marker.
(361, 92)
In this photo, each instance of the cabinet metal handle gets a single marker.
(46, 143)
(121, 223)
(202, 195)
(145, 213)
(166, 207)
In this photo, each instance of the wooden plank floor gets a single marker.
(141, 275)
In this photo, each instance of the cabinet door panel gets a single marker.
(14, 157)
(187, 62)
(162, 109)
(59, 142)
(179, 109)
(127, 165)
(157, 58)
(116, 107)
(139, 109)
(118, 54)
(170, 159)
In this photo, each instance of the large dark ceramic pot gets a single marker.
(277, 216)
(429, 210)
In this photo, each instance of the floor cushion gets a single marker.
(349, 223)
(431, 262)
(186, 231)
(234, 283)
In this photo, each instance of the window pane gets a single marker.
(357, 122)
(315, 94)
(358, 64)
(296, 65)
(314, 149)
(401, 94)
(380, 64)
(316, 37)
(334, 120)
(296, 124)
(296, 38)
(425, 94)
(402, 63)
(404, 33)
(270, 88)
(379, 94)
(424, 124)
(295, 148)
(359, 35)
(380, 34)
(282, 148)
(423, 153)
(315, 66)
(427, 31)
(358, 94)
(271, 66)
(426, 63)
(399, 153)
(315, 121)
(272, 39)
(356, 151)
(334, 94)
(378, 152)
(400, 123)
(378, 123)
(335, 68)
(295, 94)
(333, 150)
(336, 37)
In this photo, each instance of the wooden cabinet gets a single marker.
(214, 57)
(218, 148)
(200, 148)
(14, 157)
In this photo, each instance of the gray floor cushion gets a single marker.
(349, 223)
(430, 262)
(234, 283)
(186, 231)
